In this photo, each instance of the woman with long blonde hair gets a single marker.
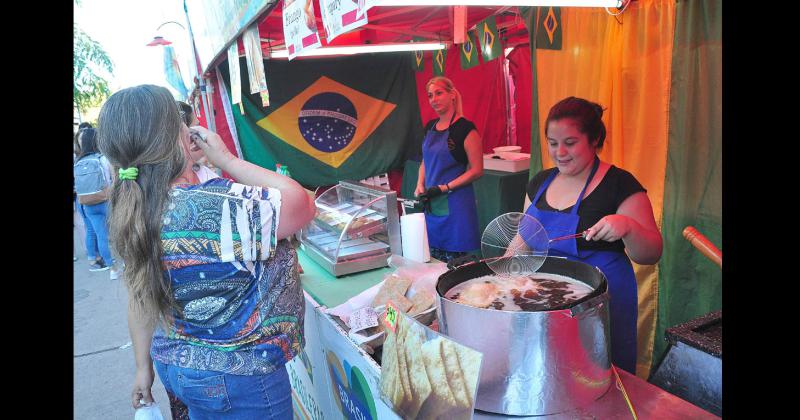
(452, 159)
(214, 299)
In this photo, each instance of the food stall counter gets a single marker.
(331, 291)
(335, 378)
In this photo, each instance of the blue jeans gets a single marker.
(94, 219)
(216, 395)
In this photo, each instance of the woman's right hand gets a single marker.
(142, 385)
(212, 146)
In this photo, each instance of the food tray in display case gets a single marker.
(356, 228)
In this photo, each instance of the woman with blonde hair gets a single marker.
(452, 159)
(214, 299)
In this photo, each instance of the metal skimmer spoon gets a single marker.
(577, 235)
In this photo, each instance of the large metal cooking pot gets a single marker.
(534, 363)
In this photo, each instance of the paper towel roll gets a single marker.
(414, 236)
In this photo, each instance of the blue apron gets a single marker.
(453, 220)
(615, 265)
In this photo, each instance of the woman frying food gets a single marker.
(584, 194)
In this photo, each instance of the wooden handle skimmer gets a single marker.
(703, 245)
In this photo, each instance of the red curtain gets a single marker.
(482, 92)
(519, 65)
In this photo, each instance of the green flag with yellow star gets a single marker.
(439, 60)
(469, 54)
(489, 39)
(345, 118)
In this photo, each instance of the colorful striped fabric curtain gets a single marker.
(627, 63)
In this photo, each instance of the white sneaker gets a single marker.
(114, 273)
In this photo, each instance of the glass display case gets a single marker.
(356, 228)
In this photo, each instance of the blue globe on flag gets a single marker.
(328, 121)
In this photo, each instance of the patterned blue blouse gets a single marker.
(237, 286)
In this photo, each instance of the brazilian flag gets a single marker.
(469, 54)
(419, 61)
(489, 39)
(548, 33)
(419, 57)
(439, 60)
(333, 119)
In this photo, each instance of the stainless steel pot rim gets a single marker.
(567, 308)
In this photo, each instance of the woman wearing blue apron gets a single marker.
(452, 158)
(584, 194)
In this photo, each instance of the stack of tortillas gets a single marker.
(428, 380)
(394, 289)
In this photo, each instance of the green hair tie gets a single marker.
(130, 173)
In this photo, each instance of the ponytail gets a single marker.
(139, 127)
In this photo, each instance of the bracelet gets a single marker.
(448, 187)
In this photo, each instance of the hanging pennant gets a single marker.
(419, 57)
(419, 61)
(299, 27)
(340, 16)
(255, 64)
(548, 33)
(469, 54)
(439, 60)
(235, 73)
(489, 39)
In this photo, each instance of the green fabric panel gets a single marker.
(529, 15)
(690, 285)
(496, 192)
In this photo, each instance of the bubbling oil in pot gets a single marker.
(539, 292)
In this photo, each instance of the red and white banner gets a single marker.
(299, 26)
(341, 16)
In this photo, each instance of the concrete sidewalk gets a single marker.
(103, 364)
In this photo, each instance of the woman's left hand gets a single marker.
(610, 228)
(142, 385)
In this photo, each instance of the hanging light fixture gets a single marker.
(363, 49)
(554, 3)
(158, 40)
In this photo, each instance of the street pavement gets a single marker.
(103, 364)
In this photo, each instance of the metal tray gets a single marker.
(376, 225)
(349, 249)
